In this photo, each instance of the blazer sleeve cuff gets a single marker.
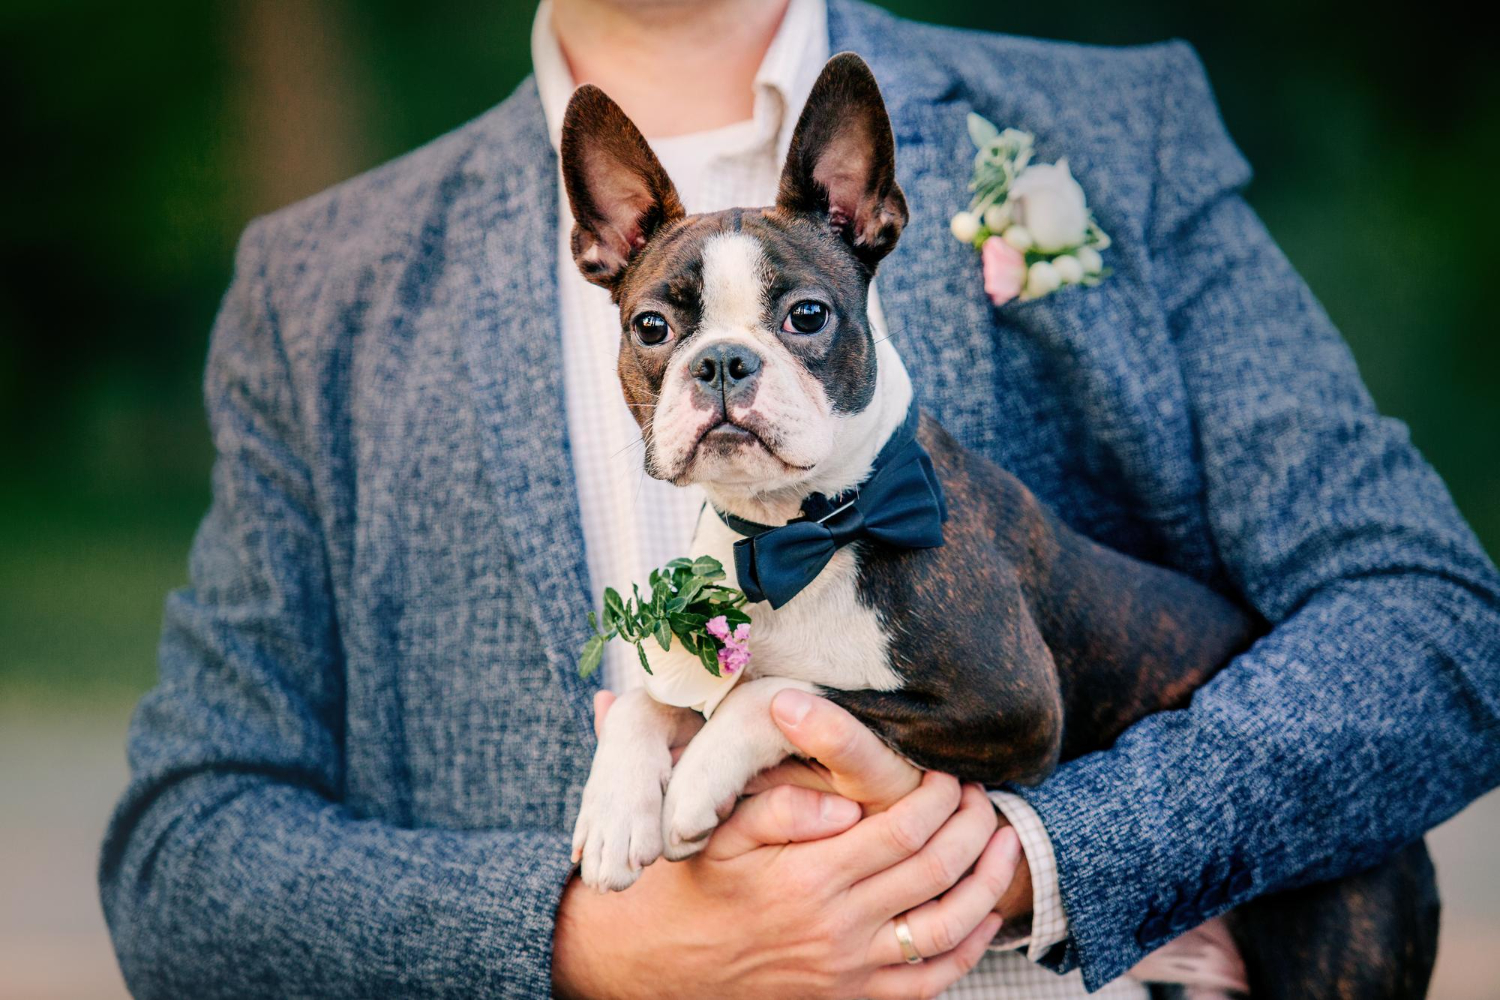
(1049, 921)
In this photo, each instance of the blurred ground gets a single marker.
(64, 767)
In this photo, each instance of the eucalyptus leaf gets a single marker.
(710, 657)
(690, 590)
(641, 651)
(593, 652)
(708, 566)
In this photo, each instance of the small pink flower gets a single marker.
(731, 659)
(736, 652)
(1004, 270)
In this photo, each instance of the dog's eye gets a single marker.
(651, 328)
(806, 316)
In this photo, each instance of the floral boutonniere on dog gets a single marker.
(687, 603)
(1029, 221)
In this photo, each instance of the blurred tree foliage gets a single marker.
(144, 136)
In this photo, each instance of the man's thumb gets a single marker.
(858, 764)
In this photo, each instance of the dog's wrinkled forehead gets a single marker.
(738, 272)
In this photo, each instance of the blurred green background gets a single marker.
(143, 136)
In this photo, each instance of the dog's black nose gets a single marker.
(725, 366)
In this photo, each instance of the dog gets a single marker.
(749, 360)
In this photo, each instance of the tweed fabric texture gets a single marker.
(357, 774)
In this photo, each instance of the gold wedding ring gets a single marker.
(908, 946)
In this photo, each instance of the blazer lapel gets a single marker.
(514, 354)
(931, 289)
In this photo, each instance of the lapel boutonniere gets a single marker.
(1029, 221)
(687, 602)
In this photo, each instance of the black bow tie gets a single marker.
(900, 504)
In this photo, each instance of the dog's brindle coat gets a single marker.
(1017, 644)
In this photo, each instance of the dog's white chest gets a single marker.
(825, 635)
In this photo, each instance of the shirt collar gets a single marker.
(785, 78)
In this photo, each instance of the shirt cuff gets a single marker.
(1049, 922)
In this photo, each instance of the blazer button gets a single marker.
(1183, 918)
(1152, 931)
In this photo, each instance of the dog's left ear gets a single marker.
(842, 161)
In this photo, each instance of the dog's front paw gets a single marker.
(619, 822)
(696, 800)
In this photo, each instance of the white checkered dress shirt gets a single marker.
(633, 523)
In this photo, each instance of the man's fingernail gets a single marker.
(791, 707)
(837, 809)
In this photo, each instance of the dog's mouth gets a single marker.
(728, 437)
(725, 438)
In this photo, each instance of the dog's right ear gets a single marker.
(618, 190)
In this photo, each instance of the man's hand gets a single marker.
(845, 757)
(796, 895)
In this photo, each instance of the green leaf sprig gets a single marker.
(685, 596)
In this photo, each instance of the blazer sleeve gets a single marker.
(230, 867)
(1369, 713)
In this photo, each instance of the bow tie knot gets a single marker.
(845, 524)
(900, 504)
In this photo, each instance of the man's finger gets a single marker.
(936, 973)
(602, 702)
(785, 814)
(939, 865)
(879, 842)
(860, 766)
(939, 925)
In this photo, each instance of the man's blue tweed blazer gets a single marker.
(358, 773)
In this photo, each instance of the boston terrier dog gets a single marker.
(913, 582)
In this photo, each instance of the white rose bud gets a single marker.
(1090, 259)
(1041, 279)
(1069, 270)
(965, 226)
(1019, 237)
(1049, 202)
(997, 217)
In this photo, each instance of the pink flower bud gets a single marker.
(1004, 270)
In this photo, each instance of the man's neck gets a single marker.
(673, 72)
